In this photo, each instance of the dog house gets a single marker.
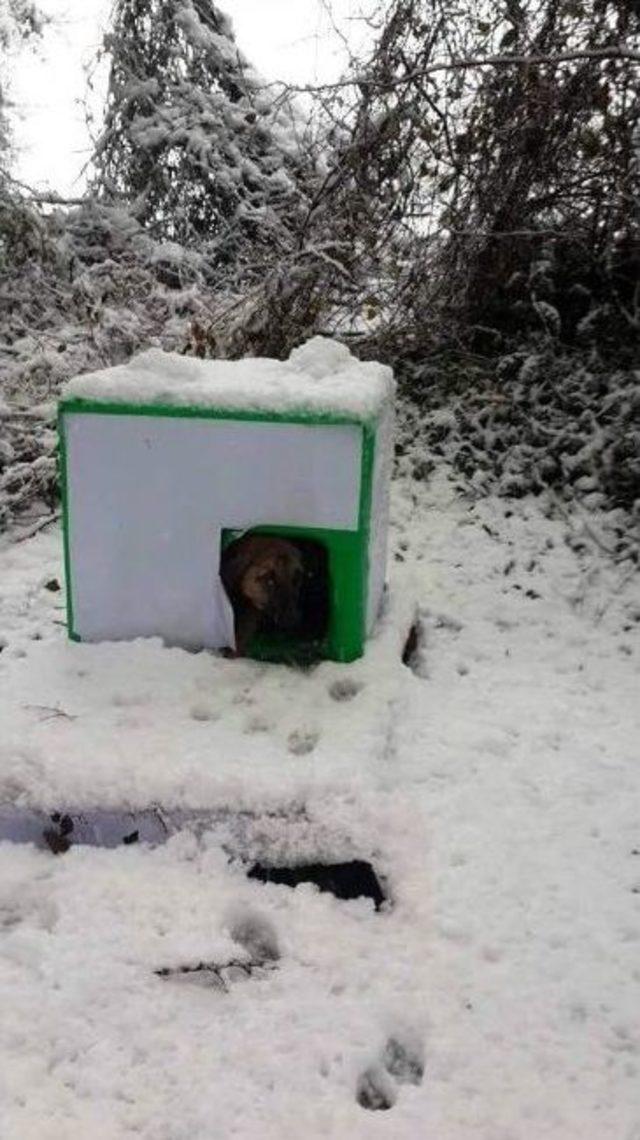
(168, 458)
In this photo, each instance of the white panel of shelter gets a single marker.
(149, 496)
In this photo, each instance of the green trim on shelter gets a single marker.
(348, 551)
(194, 412)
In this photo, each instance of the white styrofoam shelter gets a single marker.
(165, 455)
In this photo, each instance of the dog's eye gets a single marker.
(268, 580)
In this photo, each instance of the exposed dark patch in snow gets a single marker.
(353, 880)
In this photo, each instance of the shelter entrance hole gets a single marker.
(296, 626)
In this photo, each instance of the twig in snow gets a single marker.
(40, 525)
(51, 712)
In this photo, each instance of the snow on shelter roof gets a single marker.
(320, 377)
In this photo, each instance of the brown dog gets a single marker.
(262, 576)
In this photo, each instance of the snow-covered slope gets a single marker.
(494, 786)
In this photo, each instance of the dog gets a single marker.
(263, 577)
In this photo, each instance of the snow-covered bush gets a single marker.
(532, 422)
(78, 290)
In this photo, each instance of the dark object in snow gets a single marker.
(410, 646)
(53, 585)
(58, 838)
(354, 880)
(413, 653)
(133, 837)
(57, 843)
(218, 974)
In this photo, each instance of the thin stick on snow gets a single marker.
(40, 525)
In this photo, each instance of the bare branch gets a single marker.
(45, 198)
(362, 81)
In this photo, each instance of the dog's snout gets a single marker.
(286, 609)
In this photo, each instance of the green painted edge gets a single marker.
(76, 404)
(354, 646)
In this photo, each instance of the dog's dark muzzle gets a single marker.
(285, 611)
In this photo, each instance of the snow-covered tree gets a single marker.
(20, 21)
(192, 139)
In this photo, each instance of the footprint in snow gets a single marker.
(302, 741)
(129, 700)
(404, 1061)
(257, 935)
(203, 712)
(376, 1090)
(259, 940)
(401, 1063)
(344, 689)
(256, 724)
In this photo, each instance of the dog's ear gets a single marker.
(233, 564)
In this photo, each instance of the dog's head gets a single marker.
(267, 573)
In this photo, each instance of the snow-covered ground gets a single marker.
(494, 787)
